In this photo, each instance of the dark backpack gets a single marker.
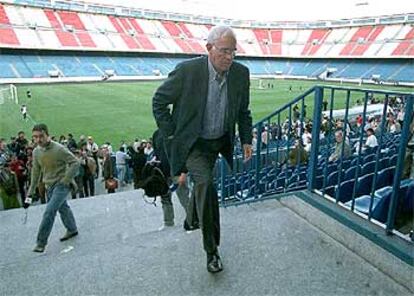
(8, 181)
(153, 180)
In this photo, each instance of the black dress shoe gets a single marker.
(68, 235)
(39, 249)
(214, 263)
(188, 227)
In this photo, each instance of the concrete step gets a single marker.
(267, 249)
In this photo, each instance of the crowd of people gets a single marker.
(64, 164)
(299, 127)
(97, 162)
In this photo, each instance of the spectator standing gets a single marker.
(149, 151)
(93, 150)
(89, 169)
(58, 166)
(138, 162)
(18, 167)
(121, 160)
(23, 110)
(182, 190)
(107, 168)
(71, 143)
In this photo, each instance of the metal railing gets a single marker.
(279, 160)
(329, 154)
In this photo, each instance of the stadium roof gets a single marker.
(271, 10)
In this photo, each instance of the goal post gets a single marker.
(8, 93)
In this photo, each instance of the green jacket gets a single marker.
(56, 164)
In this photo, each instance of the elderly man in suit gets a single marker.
(209, 95)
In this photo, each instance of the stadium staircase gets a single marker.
(296, 241)
(272, 247)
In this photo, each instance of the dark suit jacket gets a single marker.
(186, 89)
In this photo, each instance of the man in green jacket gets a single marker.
(58, 166)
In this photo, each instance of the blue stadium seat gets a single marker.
(368, 168)
(319, 182)
(384, 178)
(332, 168)
(380, 203)
(408, 202)
(369, 158)
(354, 162)
(346, 163)
(362, 203)
(229, 190)
(364, 185)
(277, 184)
(332, 179)
(350, 173)
(345, 190)
(297, 186)
(382, 198)
(383, 163)
(393, 160)
(330, 190)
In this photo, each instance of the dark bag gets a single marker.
(111, 184)
(153, 180)
(8, 181)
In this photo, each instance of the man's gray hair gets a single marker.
(218, 32)
(339, 132)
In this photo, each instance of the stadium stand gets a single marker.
(84, 31)
(383, 49)
(36, 41)
(37, 65)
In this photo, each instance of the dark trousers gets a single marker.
(200, 165)
(89, 185)
(22, 185)
(79, 184)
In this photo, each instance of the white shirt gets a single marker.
(136, 145)
(121, 158)
(92, 147)
(306, 138)
(265, 137)
(371, 141)
(395, 127)
(148, 151)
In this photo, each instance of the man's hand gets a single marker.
(27, 202)
(73, 186)
(182, 179)
(247, 152)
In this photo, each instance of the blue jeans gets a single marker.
(121, 173)
(56, 201)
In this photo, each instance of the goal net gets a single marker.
(8, 93)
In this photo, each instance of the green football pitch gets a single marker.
(115, 111)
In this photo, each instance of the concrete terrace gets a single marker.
(274, 247)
